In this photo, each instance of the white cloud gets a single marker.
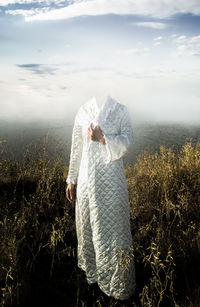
(181, 39)
(154, 25)
(134, 51)
(28, 12)
(158, 38)
(159, 8)
(25, 13)
(6, 2)
(187, 46)
(157, 43)
(187, 50)
(195, 39)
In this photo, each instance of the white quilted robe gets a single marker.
(102, 209)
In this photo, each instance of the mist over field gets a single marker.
(18, 136)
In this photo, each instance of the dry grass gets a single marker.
(165, 200)
(38, 239)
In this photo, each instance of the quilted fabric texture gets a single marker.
(102, 205)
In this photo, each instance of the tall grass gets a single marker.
(38, 237)
(165, 201)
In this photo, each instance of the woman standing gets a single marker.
(96, 180)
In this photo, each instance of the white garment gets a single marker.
(102, 205)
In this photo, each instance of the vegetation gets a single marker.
(38, 260)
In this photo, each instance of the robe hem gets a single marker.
(115, 295)
(89, 280)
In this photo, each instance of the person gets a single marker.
(96, 181)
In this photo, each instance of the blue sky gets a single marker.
(55, 55)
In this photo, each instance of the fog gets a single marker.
(17, 136)
(156, 98)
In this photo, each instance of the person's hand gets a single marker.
(71, 191)
(96, 134)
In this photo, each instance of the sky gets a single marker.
(56, 55)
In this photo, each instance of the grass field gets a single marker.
(38, 260)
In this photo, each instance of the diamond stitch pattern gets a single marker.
(102, 203)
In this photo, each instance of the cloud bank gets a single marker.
(154, 8)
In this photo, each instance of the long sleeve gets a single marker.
(76, 153)
(117, 145)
